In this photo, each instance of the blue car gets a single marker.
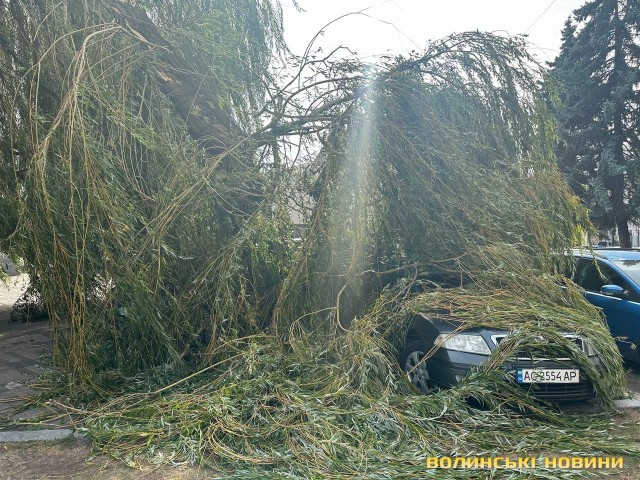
(611, 280)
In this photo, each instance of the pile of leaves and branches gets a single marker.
(153, 152)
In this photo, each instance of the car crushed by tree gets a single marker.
(158, 146)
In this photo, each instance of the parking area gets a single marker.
(22, 347)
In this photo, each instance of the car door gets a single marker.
(621, 313)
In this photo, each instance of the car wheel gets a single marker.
(416, 370)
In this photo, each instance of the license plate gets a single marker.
(548, 375)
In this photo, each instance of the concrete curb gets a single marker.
(627, 403)
(20, 436)
(57, 435)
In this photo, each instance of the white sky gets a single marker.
(399, 26)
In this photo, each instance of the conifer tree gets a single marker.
(599, 83)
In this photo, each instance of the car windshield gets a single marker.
(630, 267)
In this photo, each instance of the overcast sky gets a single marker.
(399, 26)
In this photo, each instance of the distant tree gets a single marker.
(598, 76)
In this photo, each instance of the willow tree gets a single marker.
(131, 164)
(154, 155)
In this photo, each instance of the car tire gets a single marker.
(416, 369)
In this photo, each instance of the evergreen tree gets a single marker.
(599, 79)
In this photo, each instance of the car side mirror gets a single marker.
(612, 291)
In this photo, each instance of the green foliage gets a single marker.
(435, 163)
(336, 411)
(125, 205)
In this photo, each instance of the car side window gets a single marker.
(588, 277)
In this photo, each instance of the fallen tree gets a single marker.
(152, 157)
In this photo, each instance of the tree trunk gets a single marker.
(623, 233)
(620, 212)
(207, 123)
(620, 209)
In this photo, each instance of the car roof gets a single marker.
(608, 253)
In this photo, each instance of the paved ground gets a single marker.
(22, 347)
